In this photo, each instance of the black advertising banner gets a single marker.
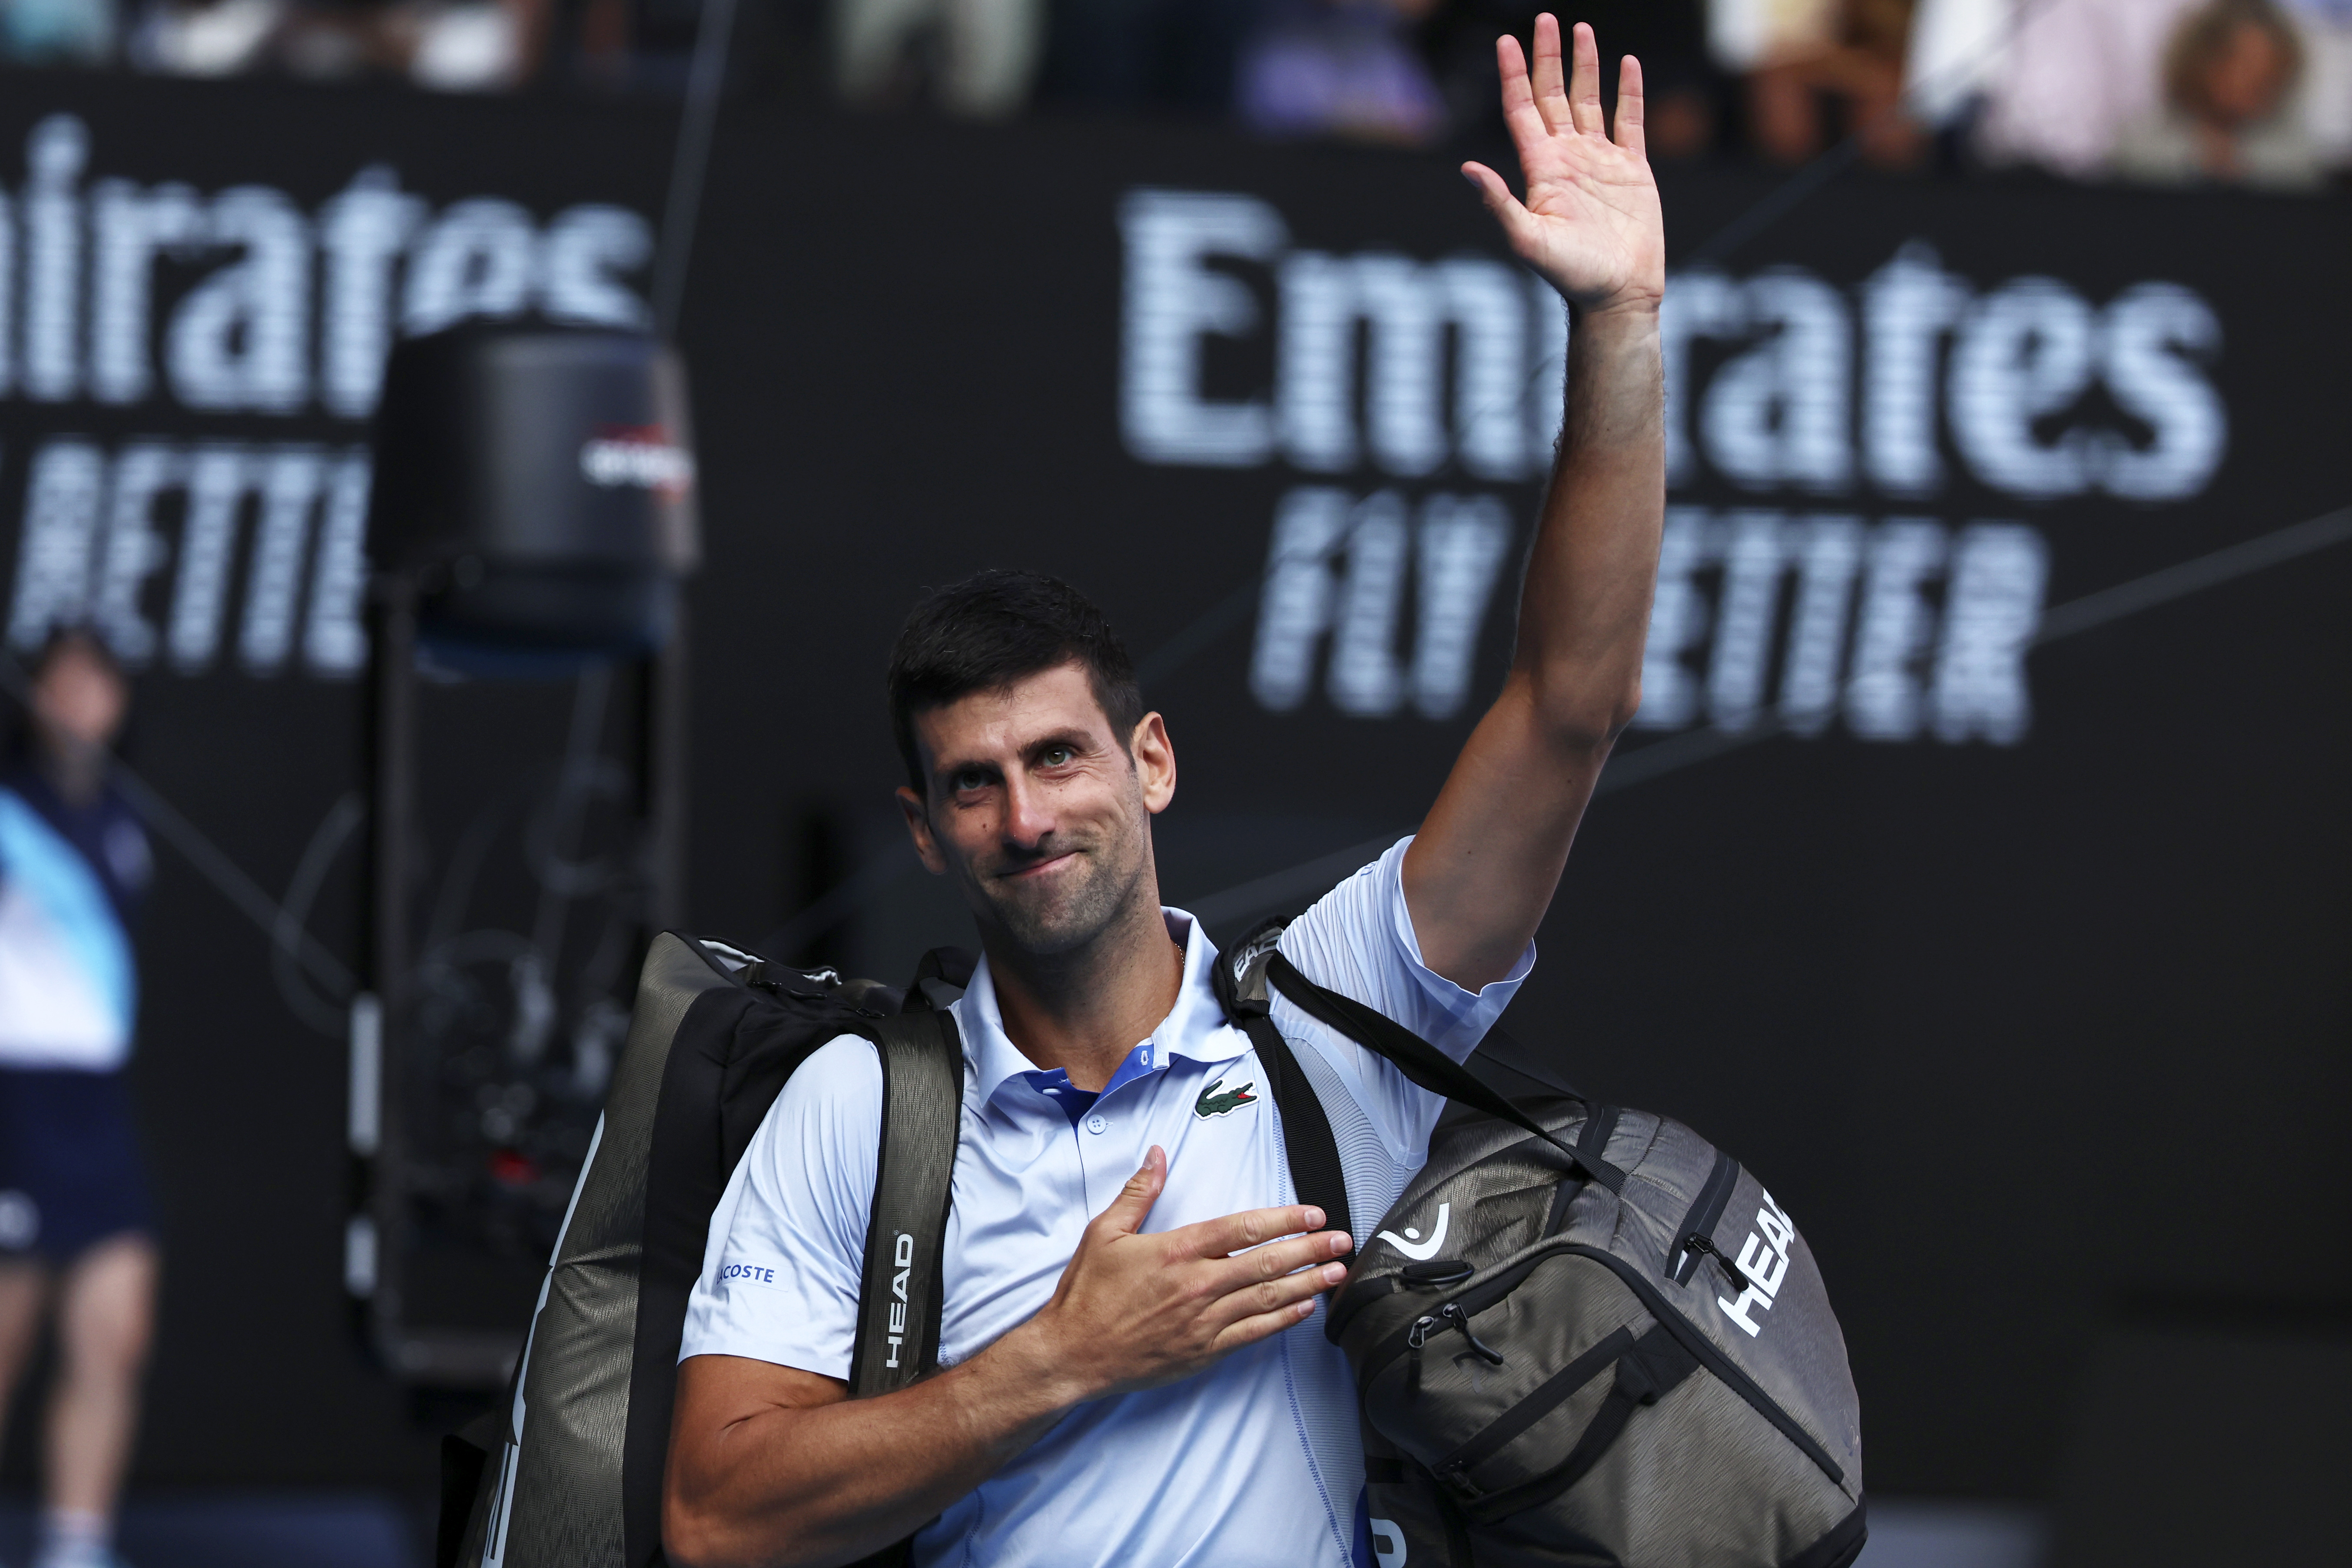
(1997, 923)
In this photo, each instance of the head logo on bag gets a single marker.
(1546, 1392)
(1764, 1260)
(903, 1257)
(717, 1035)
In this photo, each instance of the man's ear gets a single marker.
(918, 827)
(1155, 763)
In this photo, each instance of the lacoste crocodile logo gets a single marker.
(1212, 1103)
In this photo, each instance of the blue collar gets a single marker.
(1194, 1030)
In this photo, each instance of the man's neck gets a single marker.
(77, 776)
(1083, 1010)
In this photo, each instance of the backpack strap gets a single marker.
(941, 979)
(1316, 1174)
(1649, 1368)
(1246, 981)
(900, 1297)
(1503, 1048)
(1427, 1066)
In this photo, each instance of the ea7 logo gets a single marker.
(1764, 1260)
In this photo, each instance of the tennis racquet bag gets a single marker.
(568, 1473)
(1580, 1335)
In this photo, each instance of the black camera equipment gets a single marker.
(530, 525)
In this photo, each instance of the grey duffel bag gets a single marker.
(1580, 1335)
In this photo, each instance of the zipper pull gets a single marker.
(1456, 1318)
(1695, 1242)
(1418, 1335)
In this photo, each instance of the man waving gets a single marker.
(1130, 1371)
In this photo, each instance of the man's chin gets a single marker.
(1051, 929)
(1048, 922)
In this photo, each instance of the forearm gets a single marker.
(1584, 610)
(773, 1468)
(1481, 874)
(807, 1486)
(1481, 871)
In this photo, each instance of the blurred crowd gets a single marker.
(2172, 91)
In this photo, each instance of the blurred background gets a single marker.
(1976, 867)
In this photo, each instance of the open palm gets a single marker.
(1591, 223)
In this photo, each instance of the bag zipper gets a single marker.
(1696, 1242)
(1450, 1316)
(1358, 1294)
(1485, 1294)
(1705, 1210)
(1466, 1305)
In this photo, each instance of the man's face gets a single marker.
(2247, 76)
(1037, 811)
(78, 702)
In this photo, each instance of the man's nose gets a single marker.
(1028, 817)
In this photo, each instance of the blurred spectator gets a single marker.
(224, 37)
(1134, 54)
(2065, 77)
(76, 1227)
(471, 47)
(1340, 67)
(2326, 95)
(57, 32)
(1950, 57)
(980, 56)
(1683, 89)
(450, 45)
(1818, 68)
(2228, 71)
(331, 40)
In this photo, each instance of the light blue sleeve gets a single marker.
(1358, 940)
(779, 1272)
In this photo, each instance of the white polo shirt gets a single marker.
(1253, 1461)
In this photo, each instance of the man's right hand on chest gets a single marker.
(1137, 1309)
(771, 1465)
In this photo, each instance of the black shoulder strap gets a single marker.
(1316, 1174)
(900, 1297)
(943, 975)
(1422, 1062)
(1501, 1047)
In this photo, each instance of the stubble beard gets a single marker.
(1099, 888)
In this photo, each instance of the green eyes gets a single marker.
(966, 780)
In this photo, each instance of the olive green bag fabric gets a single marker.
(1580, 1335)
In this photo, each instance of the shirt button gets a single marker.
(1097, 1122)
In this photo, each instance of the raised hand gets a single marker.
(1591, 223)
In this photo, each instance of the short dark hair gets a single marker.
(992, 630)
(81, 638)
